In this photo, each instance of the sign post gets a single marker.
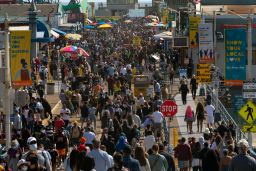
(169, 108)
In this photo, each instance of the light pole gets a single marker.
(32, 15)
(7, 92)
(249, 47)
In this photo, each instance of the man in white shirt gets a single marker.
(157, 117)
(123, 70)
(101, 158)
(209, 109)
(65, 113)
(136, 120)
(89, 136)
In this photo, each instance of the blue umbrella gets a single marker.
(101, 22)
(89, 27)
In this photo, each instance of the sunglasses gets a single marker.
(32, 142)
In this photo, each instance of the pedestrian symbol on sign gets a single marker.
(249, 110)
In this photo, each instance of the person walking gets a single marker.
(196, 162)
(189, 118)
(200, 116)
(157, 161)
(75, 134)
(158, 120)
(184, 91)
(202, 155)
(211, 161)
(184, 155)
(209, 109)
(225, 161)
(140, 155)
(193, 86)
(243, 161)
(101, 158)
(37, 158)
(128, 161)
(168, 157)
(89, 135)
(118, 163)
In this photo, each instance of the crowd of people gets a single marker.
(98, 91)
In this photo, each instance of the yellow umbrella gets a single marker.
(73, 36)
(105, 26)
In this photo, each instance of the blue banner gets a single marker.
(235, 56)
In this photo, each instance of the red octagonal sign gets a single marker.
(169, 108)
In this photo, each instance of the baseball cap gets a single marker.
(243, 143)
(31, 139)
(21, 162)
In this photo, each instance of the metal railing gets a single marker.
(225, 116)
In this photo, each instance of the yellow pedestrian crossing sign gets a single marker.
(248, 112)
(249, 128)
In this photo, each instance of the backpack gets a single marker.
(75, 132)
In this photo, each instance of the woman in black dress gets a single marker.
(199, 116)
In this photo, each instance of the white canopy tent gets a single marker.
(163, 35)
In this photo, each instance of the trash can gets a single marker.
(50, 88)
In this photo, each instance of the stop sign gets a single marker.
(169, 108)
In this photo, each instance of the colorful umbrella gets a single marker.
(152, 17)
(94, 24)
(101, 22)
(82, 52)
(105, 26)
(155, 24)
(69, 49)
(88, 27)
(73, 36)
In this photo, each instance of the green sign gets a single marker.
(171, 16)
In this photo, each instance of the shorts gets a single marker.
(210, 120)
(183, 164)
(92, 118)
(62, 152)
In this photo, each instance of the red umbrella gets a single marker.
(82, 52)
(93, 24)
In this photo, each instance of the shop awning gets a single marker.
(42, 34)
(59, 31)
(164, 35)
(55, 35)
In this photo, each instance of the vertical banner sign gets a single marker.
(20, 58)
(165, 13)
(203, 73)
(193, 31)
(171, 18)
(205, 43)
(235, 56)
